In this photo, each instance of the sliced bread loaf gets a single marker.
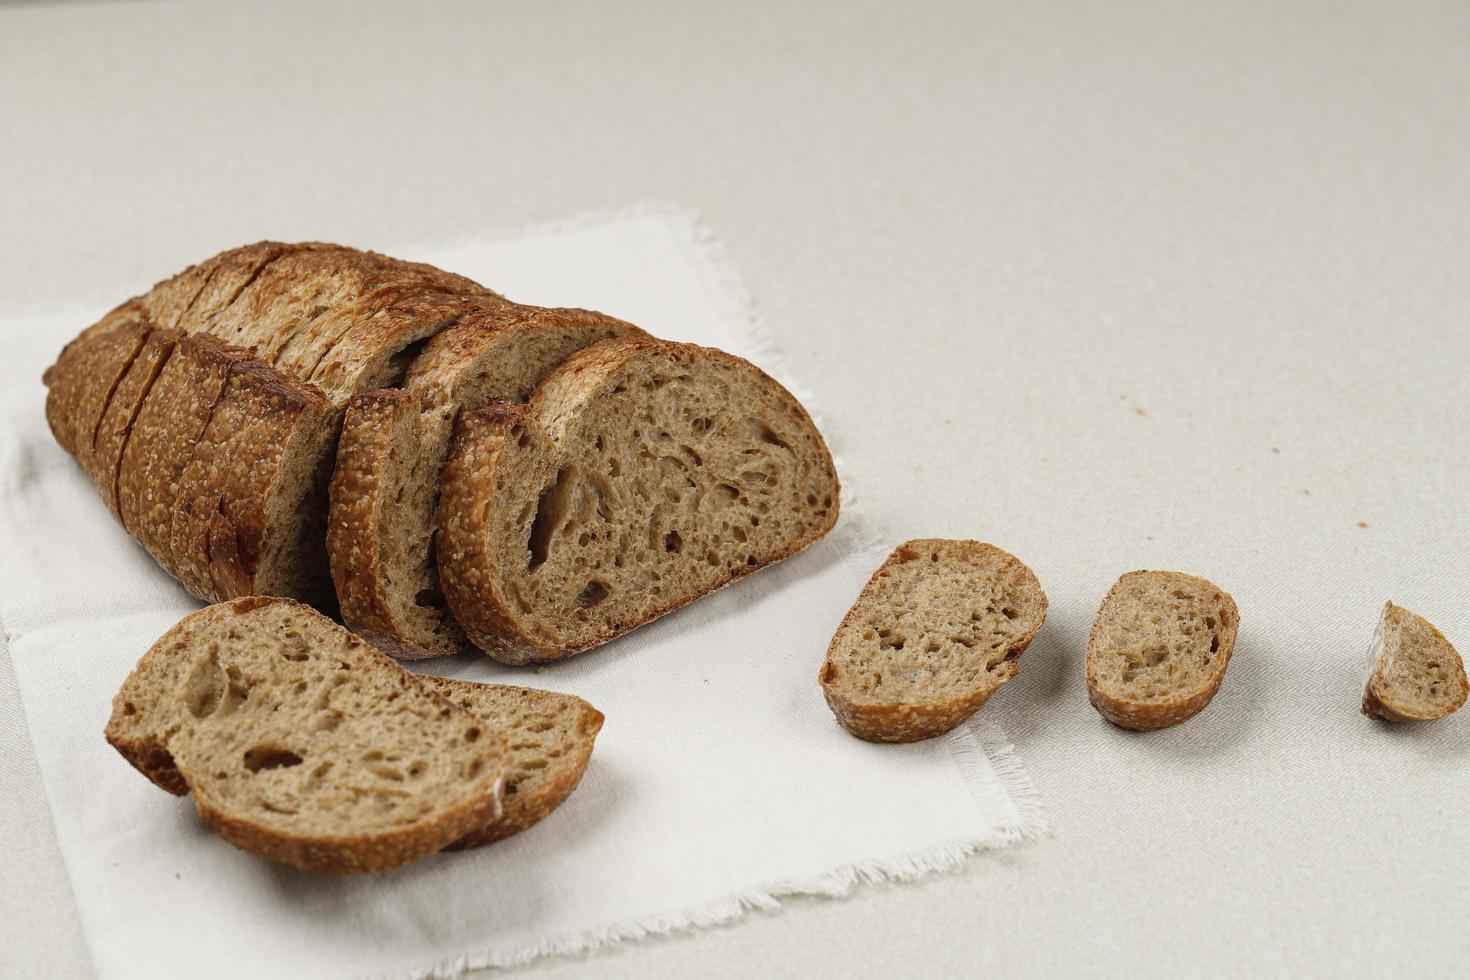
(392, 450)
(550, 738)
(1159, 648)
(936, 631)
(640, 476)
(1415, 674)
(207, 410)
(302, 744)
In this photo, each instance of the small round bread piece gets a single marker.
(935, 632)
(1415, 674)
(550, 737)
(1159, 649)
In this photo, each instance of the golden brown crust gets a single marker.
(1148, 716)
(472, 589)
(355, 534)
(1378, 700)
(897, 722)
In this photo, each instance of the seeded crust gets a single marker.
(550, 737)
(279, 723)
(206, 411)
(1415, 674)
(1159, 649)
(392, 450)
(640, 476)
(936, 631)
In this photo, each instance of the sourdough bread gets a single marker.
(550, 738)
(1159, 648)
(640, 476)
(935, 632)
(1415, 674)
(302, 744)
(215, 452)
(392, 450)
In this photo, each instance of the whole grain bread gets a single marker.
(302, 744)
(207, 410)
(394, 441)
(936, 631)
(1159, 648)
(640, 476)
(550, 738)
(1415, 674)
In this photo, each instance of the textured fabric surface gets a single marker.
(719, 781)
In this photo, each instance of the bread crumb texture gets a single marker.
(935, 632)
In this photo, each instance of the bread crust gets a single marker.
(1148, 716)
(893, 721)
(473, 590)
(1378, 700)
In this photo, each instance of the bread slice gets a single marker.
(392, 450)
(1159, 648)
(936, 631)
(303, 744)
(640, 476)
(550, 736)
(1415, 674)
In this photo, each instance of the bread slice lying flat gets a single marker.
(393, 446)
(640, 476)
(1159, 648)
(549, 738)
(1415, 674)
(302, 744)
(935, 632)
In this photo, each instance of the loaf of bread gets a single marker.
(937, 630)
(640, 476)
(1414, 673)
(1159, 648)
(386, 485)
(207, 410)
(209, 413)
(302, 744)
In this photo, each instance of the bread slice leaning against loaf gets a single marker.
(1414, 673)
(1159, 648)
(639, 477)
(394, 442)
(302, 744)
(936, 631)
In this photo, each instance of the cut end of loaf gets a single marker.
(640, 477)
(1415, 673)
(935, 632)
(1159, 649)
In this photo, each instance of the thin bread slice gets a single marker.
(302, 744)
(86, 374)
(550, 738)
(1415, 674)
(640, 476)
(1159, 648)
(936, 631)
(380, 534)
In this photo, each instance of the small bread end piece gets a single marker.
(1415, 674)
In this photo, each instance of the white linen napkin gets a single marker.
(719, 783)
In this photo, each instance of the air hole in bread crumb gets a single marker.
(1215, 644)
(593, 593)
(264, 757)
(673, 543)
